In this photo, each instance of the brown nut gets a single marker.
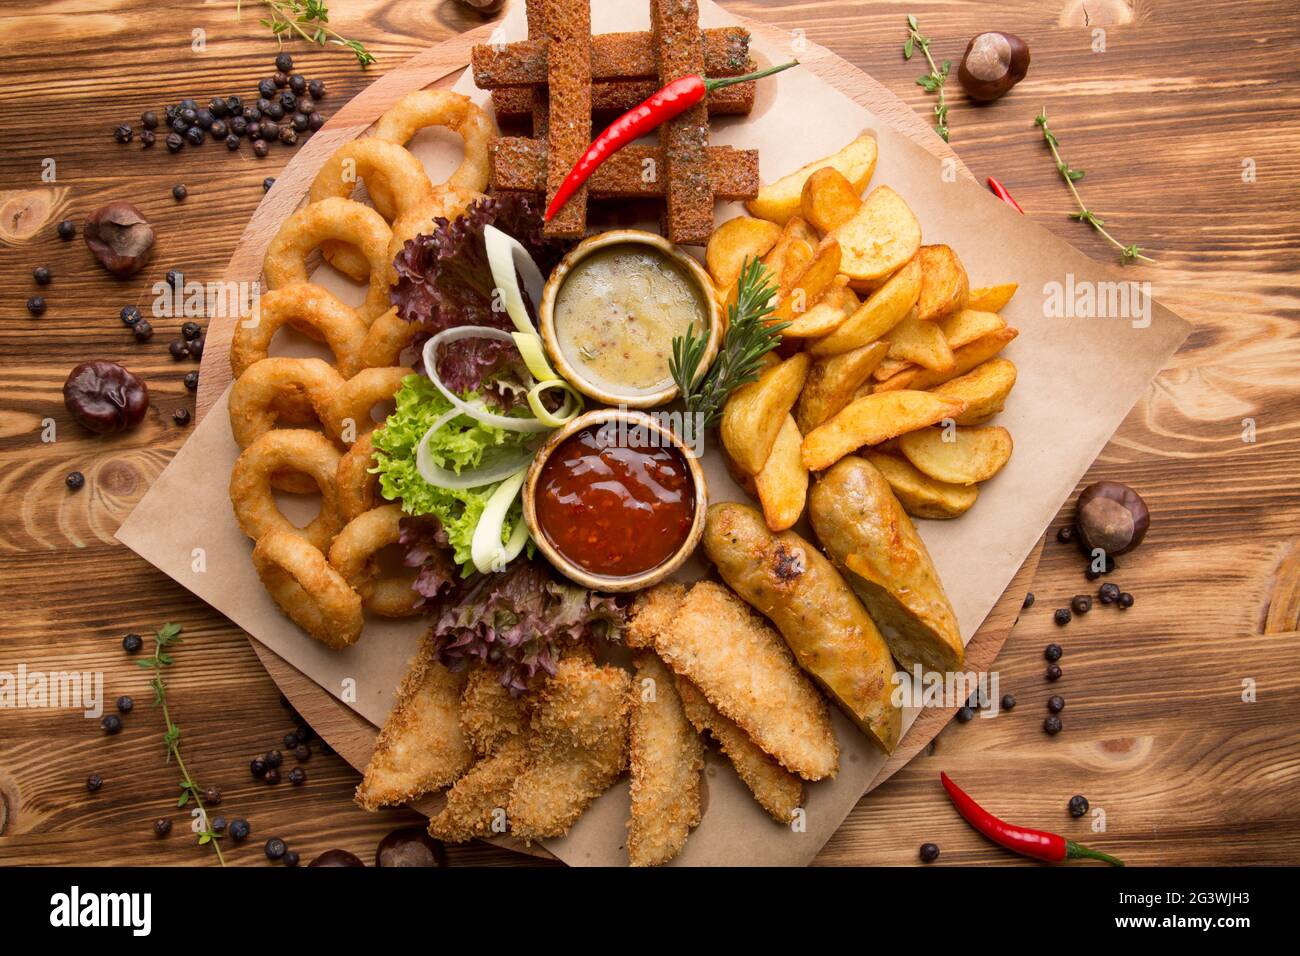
(993, 63)
(105, 397)
(1111, 516)
(120, 238)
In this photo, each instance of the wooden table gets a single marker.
(1184, 118)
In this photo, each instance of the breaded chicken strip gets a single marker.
(489, 715)
(667, 758)
(651, 612)
(421, 748)
(745, 669)
(577, 748)
(776, 789)
(476, 804)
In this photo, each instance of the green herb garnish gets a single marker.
(168, 635)
(747, 340)
(933, 81)
(308, 19)
(1130, 253)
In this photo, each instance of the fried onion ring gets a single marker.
(332, 218)
(353, 555)
(356, 398)
(394, 179)
(308, 590)
(283, 449)
(258, 395)
(447, 202)
(424, 108)
(387, 339)
(357, 489)
(303, 304)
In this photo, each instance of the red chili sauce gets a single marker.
(612, 503)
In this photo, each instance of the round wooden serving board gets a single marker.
(347, 732)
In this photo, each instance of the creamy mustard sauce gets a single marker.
(618, 311)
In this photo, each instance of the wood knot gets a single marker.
(1096, 13)
(23, 212)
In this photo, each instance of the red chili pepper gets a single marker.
(1001, 192)
(674, 99)
(1038, 844)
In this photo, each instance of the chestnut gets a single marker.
(105, 397)
(992, 64)
(337, 858)
(120, 238)
(1112, 516)
(410, 846)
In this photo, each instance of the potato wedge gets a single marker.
(782, 485)
(792, 252)
(832, 383)
(828, 199)
(965, 359)
(921, 343)
(944, 284)
(872, 419)
(984, 389)
(960, 456)
(967, 325)
(812, 283)
(991, 298)
(883, 310)
(919, 494)
(732, 243)
(835, 306)
(880, 237)
(754, 414)
(778, 201)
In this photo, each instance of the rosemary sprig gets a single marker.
(307, 19)
(747, 340)
(1130, 253)
(933, 81)
(168, 635)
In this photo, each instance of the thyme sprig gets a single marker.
(933, 81)
(747, 340)
(307, 19)
(1129, 253)
(167, 636)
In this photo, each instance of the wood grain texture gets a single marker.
(1184, 99)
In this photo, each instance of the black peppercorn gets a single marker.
(36, 305)
(149, 119)
(316, 88)
(1065, 533)
(270, 130)
(67, 229)
(181, 416)
(218, 824)
(239, 830)
(255, 130)
(267, 183)
(297, 776)
(289, 101)
(290, 740)
(298, 83)
(190, 331)
(175, 278)
(132, 643)
(302, 753)
(1052, 726)
(174, 142)
(300, 123)
(190, 115)
(125, 704)
(1053, 672)
(204, 119)
(212, 796)
(257, 767)
(262, 105)
(147, 138)
(965, 714)
(1008, 702)
(129, 315)
(194, 136)
(274, 111)
(260, 149)
(929, 852)
(1061, 616)
(196, 348)
(1081, 604)
(234, 104)
(142, 331)
(275, 848)
(272, 776)
(1078, 805)
(219, 129)
(123, 134)
(291, 858)
(274, 758)
(1056, 703)
(179, 192)
(162, 826)
(266, 87)
(191, 380)
(42, 275)
(1053, 652)
(75, 480)
(94, 782)
(178, 349)
(111, 723)
(189, 104)
(306, 105)
(1125, 600)
(280, 79)
(288, 135)
(180, 126)
(232, 142)
(238, 126)
(217, 106)
(1108, 593)
(251, 114)
(284, 62)
(315, 121)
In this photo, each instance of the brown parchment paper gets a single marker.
(1078, 378)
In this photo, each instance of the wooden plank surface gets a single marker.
(1182, 101)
